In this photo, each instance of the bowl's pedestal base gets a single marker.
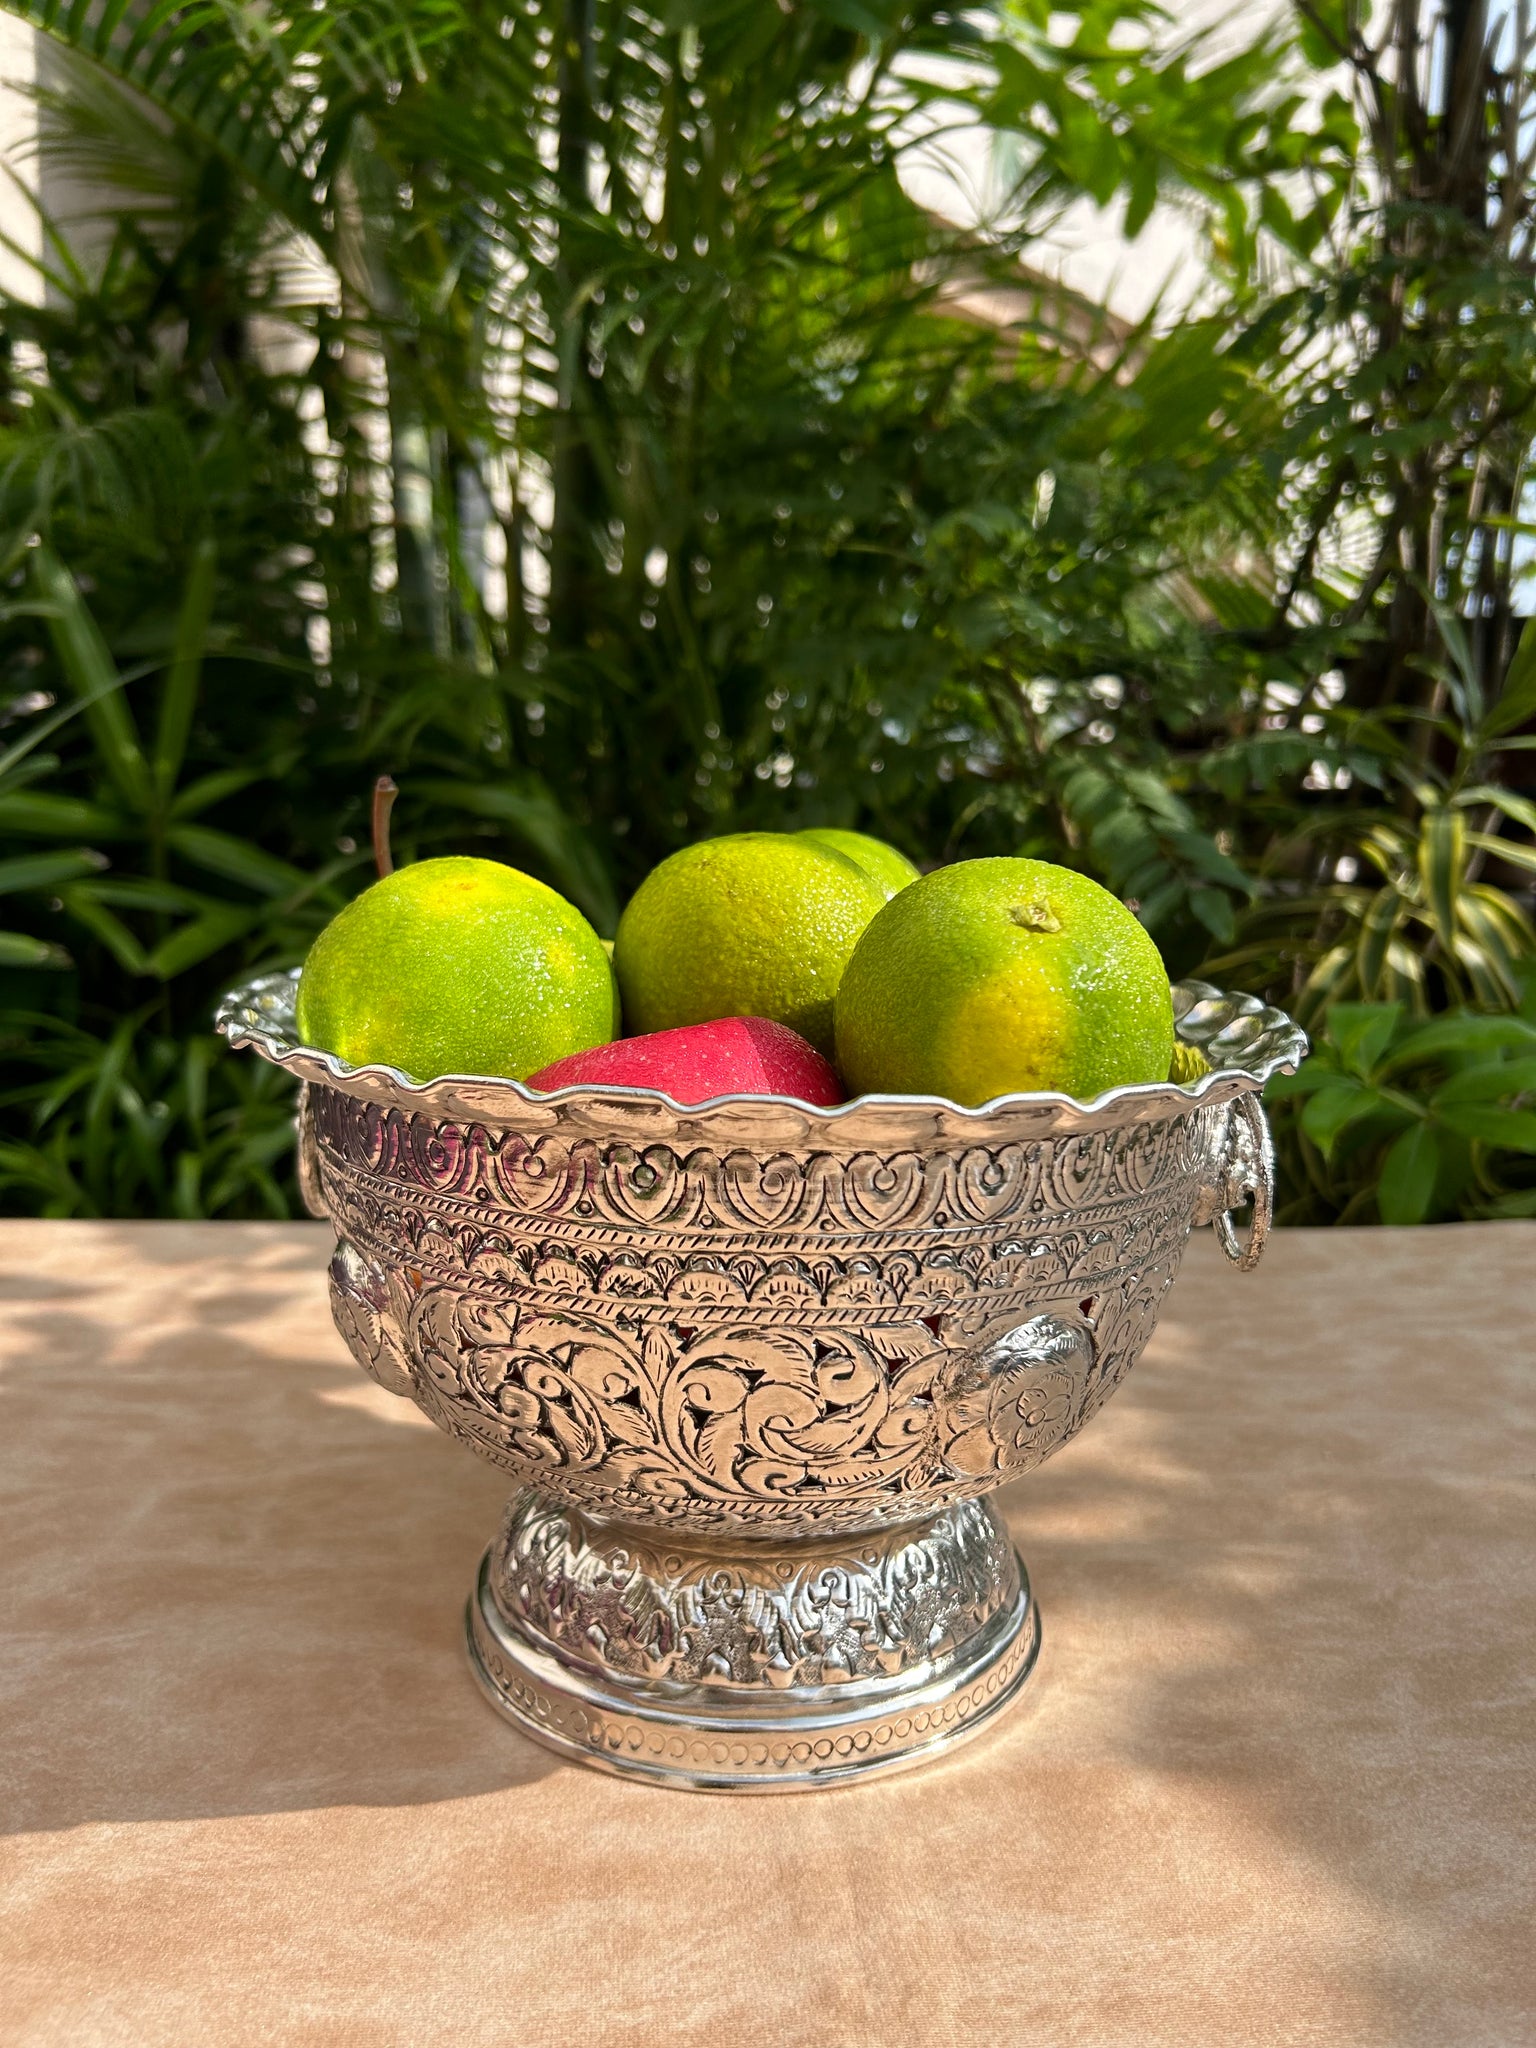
(753, 1664)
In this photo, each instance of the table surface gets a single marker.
(1272, 1783)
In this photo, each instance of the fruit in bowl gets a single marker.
(1003, 977)
(744, 962)
(886, 868)
(457, 966)
(695, 1063)
(753, 924)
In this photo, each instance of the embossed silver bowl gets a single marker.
(755, 1368)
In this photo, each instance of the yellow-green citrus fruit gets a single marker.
(1188, 1064)
(996, 977)
(754, 924)
(457, 966)
(882, 863)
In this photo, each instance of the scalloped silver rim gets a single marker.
(271, 998)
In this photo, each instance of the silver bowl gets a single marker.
(755, 1367)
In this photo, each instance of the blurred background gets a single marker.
(1098, 433)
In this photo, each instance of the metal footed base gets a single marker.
(765, 1667)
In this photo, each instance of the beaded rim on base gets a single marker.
(760, 1747)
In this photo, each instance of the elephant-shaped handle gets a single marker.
(307, 1156)
(368, 1310)
(1245, 1172)
(1006, 1404)
(360, 1289)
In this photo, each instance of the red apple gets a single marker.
(733, 1056)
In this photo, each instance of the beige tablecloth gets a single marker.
(1273, 1783)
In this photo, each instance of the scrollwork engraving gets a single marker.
(726, 1339)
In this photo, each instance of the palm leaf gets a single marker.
(245, 88)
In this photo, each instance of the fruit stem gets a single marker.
(385, 790)
(1035, 917)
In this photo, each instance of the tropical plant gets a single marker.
(33, 874)
(121, 1120)
(574, 412)
(1402, 362)
(1404, 1119)
(659, 446)
(1419, 925)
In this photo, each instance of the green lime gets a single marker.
(996, 977)
(457, 966)
(882, 863)
(754, 924)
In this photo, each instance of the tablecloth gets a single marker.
(1272, 1783)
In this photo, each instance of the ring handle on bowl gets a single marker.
(1250, 1171)
(307, 1150)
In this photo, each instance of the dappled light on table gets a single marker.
(1268, 1788)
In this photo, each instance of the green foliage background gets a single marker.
(571, 411)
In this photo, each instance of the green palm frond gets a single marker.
(243, 83)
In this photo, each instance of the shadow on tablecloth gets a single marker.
(232, 1572)
(1279, 1750)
